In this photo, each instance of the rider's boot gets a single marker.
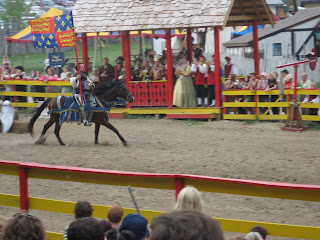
(85, 119)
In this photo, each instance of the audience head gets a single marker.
(271, 76)
(276, 75)
(119, 60)
(264, 75)
(86, 228)
(253, 76)
(82, 209)
(184, 60)
(105, 61)
(145, 63)
(112, 234)
(257, 233)
(304, 77)
(95, 71)
(133, 227)
(105, 226)
(23, 226)
(115, 214)
(284, 72)
(20, 68)
(65, 68)
(38, 74)
(314, 85)
(185, 225)
(68, 74)
(228, 59)
(189, 198)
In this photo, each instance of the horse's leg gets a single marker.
(96, 132)
(57, 132)
(42, 138)
(108, 125)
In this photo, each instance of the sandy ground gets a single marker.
(258, 151)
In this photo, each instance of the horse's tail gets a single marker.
(35, 117)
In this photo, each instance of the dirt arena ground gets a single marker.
(258, 151)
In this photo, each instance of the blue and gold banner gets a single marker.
(53, 32)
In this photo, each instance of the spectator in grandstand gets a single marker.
(65, 76)
(81, 209)
(105, 226)
(144, 71)
(312, 99)
(85, 228)
(253, 82)
(230, 68)
(262, 85)
(245, 84)
(287, 79)
(133, 227)
(112, 234)
(231, 83)
(305, 84)
(23, 226)
(272, 84)
(117, 68)
(6, 74)
(184, 93)
(51, 76)
(95, 75)
(106, 72)
(40, 89)
(257, 233)
(115, 215)
(5, 60)
(186, 224)
(136, 70)
(20, 75)
(189, 198)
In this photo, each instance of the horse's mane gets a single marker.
(102, 88)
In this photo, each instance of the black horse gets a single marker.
(106, 92)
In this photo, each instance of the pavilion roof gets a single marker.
(125, 15)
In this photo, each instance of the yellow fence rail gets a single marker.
(157, 181)
(235, 101)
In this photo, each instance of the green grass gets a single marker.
(111, 50)
(313, 125)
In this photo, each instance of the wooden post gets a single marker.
(217, 74)
(189, 44)
(126, 56)
(256, 47)
(295, 82)
(85, 52)
(23, 180)
(179, 185)
(123, 43)
(170, 67)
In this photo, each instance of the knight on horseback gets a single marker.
(87, 95)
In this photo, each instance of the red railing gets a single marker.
(149, 94)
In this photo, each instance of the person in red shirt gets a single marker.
(200, 68)
(229, 68)
(211, 83)
(118, 67)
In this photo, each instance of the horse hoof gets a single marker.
(41, 140)
(96, 142)
(125, 144)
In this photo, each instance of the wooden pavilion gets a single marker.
(137, 15)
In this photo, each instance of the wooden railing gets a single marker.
(261, 110)
(26, 170)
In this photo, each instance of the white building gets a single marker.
(289, 41)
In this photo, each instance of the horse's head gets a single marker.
(123, 92)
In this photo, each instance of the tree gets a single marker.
(13, 11)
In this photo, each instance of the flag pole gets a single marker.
(78, 67)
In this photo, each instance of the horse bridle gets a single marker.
(121, 88)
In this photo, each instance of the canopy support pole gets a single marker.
(169, 67)
(217, 74)
(126, 42)
(189, 42)
(85, 52)
(123, 43)
(256, 47)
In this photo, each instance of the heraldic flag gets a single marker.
(53, 32)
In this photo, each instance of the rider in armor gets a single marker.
(86, 85)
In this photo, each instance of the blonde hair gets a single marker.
(253, 236)
(189, 198)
